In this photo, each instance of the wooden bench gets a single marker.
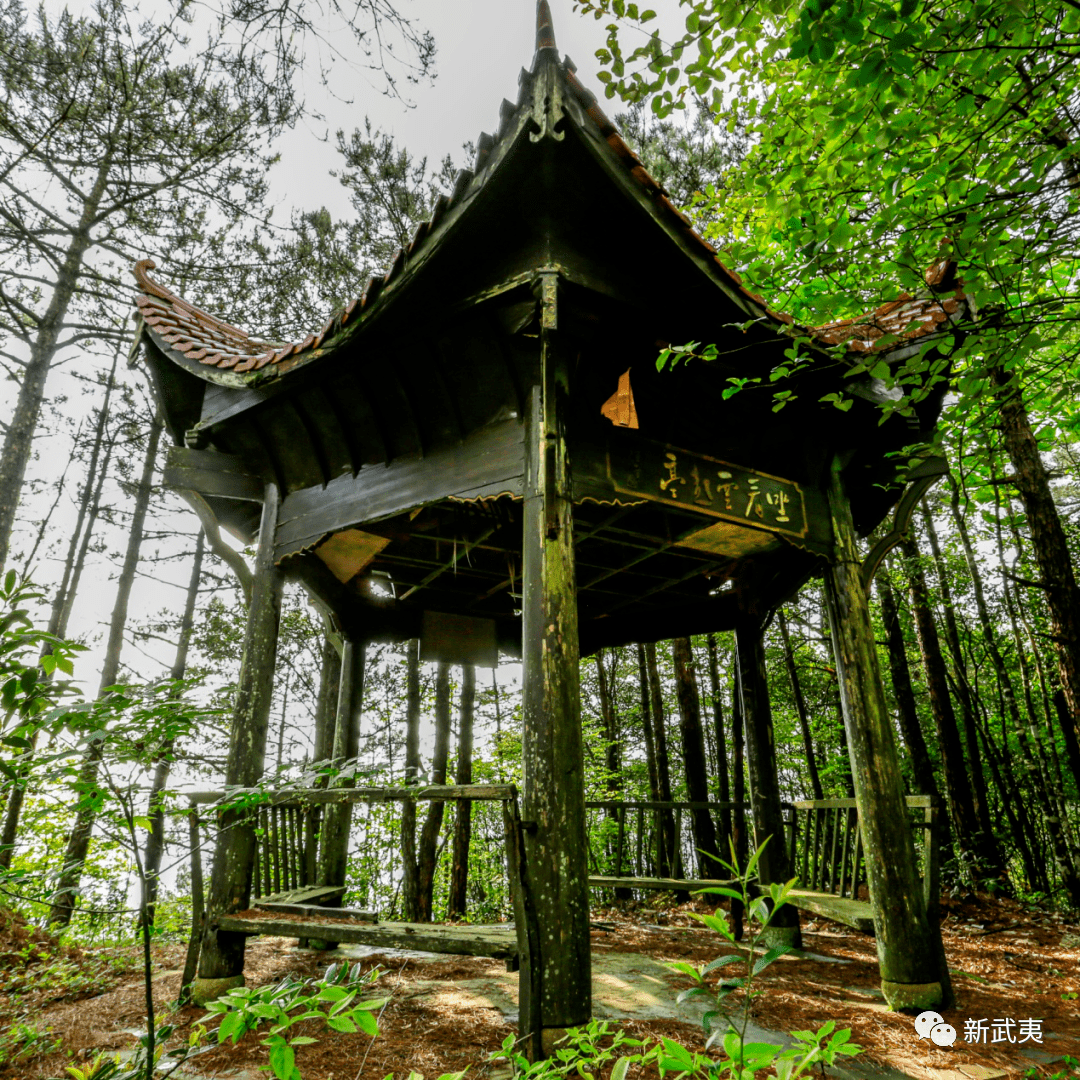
(857, 914)
(422, 937)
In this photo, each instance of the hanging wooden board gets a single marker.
(751, 500)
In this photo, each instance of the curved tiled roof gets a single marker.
(198, 336)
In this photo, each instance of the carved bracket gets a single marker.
(920, 479)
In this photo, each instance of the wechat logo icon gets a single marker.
(931, 1024)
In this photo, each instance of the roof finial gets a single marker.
(545, 30)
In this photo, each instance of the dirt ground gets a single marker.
(1008, 962)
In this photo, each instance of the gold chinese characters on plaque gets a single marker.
(707, 485)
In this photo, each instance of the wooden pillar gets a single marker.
(557, 991)
(221, 965)
(334, 853)
(907, 951)
(774, 863)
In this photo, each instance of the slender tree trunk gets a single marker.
(962, 816)
(693, 746)
(459, 869)
(903, 692)
(1048, 540)
(988, 845)
(739, 837)
(64, 896)
(326, 707)
(78, 545)
(17, 449)
(612, 762)
(723, 785)
(800, 707)
(427, 853)
(647, 725)
(410, 884)
(155, 841)
(1031, 751)
(668, 840)
(770, 841)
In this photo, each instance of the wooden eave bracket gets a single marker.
(919, 479)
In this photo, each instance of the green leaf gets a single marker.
(342, 1023)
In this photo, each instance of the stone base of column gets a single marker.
(319, 945)
(912, 997)
(549, 1038)
(774, 936)
(203, 991)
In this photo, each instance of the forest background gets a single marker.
(123, 138)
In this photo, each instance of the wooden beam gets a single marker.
(489, 462)
(221, 476)
(908, 948)
(554, 796)
(316, 911)
(600, 881)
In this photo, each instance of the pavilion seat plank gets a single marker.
(499, 943)
(305, 895)
(315, 911)
(599, 881)
(858, 914)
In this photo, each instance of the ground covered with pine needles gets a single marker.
(61, 1006)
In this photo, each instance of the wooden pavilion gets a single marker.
(479, 452)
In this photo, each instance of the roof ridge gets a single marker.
(545, 27)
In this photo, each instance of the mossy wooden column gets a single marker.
(774, 864)
(334, 853)
(907, 952)
(556, 984)
(221, 966)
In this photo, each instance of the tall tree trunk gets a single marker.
(64, 896)
(800, 707)
(740, 838)
(774, 865)
(410, 884)
(326, 707)
(18, 442)
(427, 851)
(1031, 751)
(668, 841)
(903, 692)
(612, 757)
(962, 816)
(155, 841)
(459, 868)
(991, 850)
(723, 785)
(78, 545)
(1048, 541)
(693, 747)
(647, 725)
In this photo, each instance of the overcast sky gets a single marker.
(482, 46)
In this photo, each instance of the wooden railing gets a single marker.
(828, 854)
(285, 855)
(636, 849)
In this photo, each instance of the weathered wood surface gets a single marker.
(302, 796)
(221, 476)
(655, 804)
(919, 802)
(489, 462)
(334, 848)
(553, 810)
(907, 950)
(858, 914)
(230, 885)
(309, 895)
(315, 911)
(423, 937)
(601, 881)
